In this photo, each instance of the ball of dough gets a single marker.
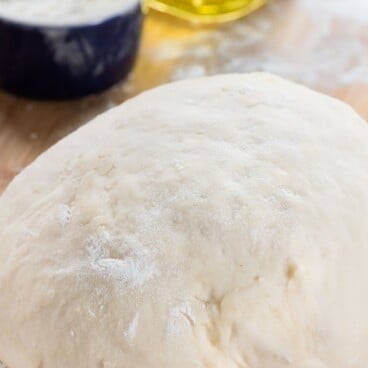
(211, 223)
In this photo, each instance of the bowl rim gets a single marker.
(29, 25)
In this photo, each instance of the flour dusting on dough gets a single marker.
(64, 215)
(132, 264)
(131, 271)
(132, 329)
(180, 315)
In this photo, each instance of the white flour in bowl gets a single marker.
(62, 12)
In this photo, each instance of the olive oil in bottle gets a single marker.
(206, 11)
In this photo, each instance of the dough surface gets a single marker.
(212, 223)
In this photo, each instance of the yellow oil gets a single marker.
(205, 11)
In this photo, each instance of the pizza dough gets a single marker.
(62, 12)
(211, 223)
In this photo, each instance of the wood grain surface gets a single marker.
(27, 128)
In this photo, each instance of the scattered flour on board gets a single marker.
(357, 10)
(333, 34)
(33, 136)
(132, 329)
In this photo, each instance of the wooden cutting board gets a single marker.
(172, 49)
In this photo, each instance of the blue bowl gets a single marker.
(64, 62)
